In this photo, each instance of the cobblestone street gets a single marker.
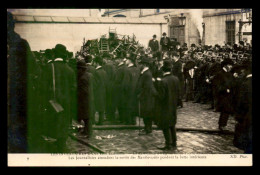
(192, 115)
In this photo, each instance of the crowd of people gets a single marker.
(117, 87)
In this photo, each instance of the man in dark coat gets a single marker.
(120, 90)
(90, 68)
(243, 111)
(110, 70)
(146, 95)
(59, 85)
(154, 44)
(214, 68)
(225, 92)
(168, 95)
(21, 88)
(165, 42)
(100, 78)
(85, 97)
(189, 72)
(133, 74)
(177, 71)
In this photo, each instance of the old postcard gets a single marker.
(129, 87)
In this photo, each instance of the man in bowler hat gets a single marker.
(225, 91)
(146, 95)
(154, 44)
(165, 42)
(168, 94)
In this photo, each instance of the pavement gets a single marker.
(192, 120)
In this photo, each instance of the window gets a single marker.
(230, 32)
(157, 10)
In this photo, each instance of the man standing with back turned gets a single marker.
(168, 94)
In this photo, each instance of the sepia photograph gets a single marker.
(129, 87)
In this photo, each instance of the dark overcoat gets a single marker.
(22, 70)
(121, 83)
(110, 70)
(146, 93)
(177, 70)
(243, 128)
(224, 80)
(54, 125)
(91, 69)
(100, 79)
(154, 45)
(85, 96)
(168, 94)
(133, 74)
(165, 43)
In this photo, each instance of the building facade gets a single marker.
(43, 28)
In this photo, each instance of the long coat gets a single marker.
(224, 81)
(154, 45)
(168, 94)
(110, 70)
(165, 43)
(177, 71)
(85, 96)
(243, 128)
(56, 125)
(121, 83)
(146, 93)
(21, 105)
(133, 74)
(100, 78)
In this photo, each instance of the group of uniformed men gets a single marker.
(149, 83)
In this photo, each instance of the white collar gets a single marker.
(98, 67)
(224, 69)
(249, 75)
(166, 73)
(145, 69)
(130, 65)
(120, 63)
(58, 59)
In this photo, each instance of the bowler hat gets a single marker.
(241, 43)
(175, 54)
(237, 68)
(88, 58)
(167, 64)
(81, 64)
(60, 51)
(164, 34)
(145, 60)
(98, 59)
(226, 61)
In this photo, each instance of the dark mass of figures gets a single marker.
(50, 89)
